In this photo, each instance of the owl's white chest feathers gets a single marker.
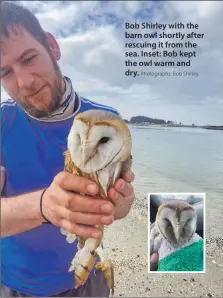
(106, 177)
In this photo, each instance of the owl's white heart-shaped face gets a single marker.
(177, 221)
(94, 147)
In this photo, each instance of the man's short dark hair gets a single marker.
(14, 15)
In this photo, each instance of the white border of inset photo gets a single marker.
(204, 229)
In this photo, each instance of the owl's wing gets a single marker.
(127, 165)
(69, 165)
(155, 238)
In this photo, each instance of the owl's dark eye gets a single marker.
(104, 140)
(168, 223)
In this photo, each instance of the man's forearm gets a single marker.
(20, 213)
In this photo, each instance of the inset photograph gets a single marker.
(176, 232)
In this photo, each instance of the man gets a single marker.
(35, 126)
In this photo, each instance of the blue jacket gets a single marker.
(36, 262)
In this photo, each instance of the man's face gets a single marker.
(29, 74)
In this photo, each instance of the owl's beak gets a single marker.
(87, 152)
(177, 232)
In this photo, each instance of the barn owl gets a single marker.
(99, 148)
(176, 221)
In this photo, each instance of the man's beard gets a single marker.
(57, 94)
(49, 107)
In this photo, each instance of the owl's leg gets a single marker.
(107, 267)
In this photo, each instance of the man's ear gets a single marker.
(53, 45)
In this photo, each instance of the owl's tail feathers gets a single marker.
(107, 267)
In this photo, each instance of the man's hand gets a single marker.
(66, 208)
(122, 195)
(154, 257)
(154, 244)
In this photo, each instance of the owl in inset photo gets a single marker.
(176, 233)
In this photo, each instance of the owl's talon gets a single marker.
(107, 268)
